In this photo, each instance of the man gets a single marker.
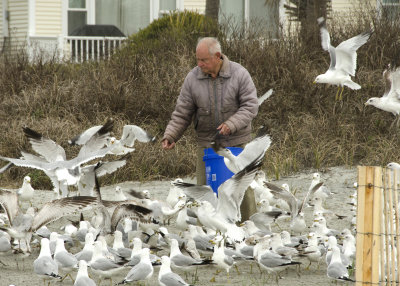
(221, 97)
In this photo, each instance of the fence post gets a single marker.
(368, 224)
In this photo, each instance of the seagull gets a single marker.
(102, 266)
(44, 266)
(5, 246)
(25, 193)
(166, 277)
(297, 223)
(130, 133)
(273, 262)
(182, 261)
(222, 260)
(393, 166)
(86, 181)
(174, 193)
(141, 271)
(87, 252)
(343, 60)
(62, 172)
(336, 270)
(82, 278)
(390, 100)
(227, 212)
(313, 250)
(254, 149)
(65, 260)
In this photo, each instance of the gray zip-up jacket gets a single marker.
(230, 98)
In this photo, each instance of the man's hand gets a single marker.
(224, 129)
(166, 145)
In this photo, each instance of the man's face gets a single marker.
(206, 62)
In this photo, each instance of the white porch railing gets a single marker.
(72, 48)
(84, 48)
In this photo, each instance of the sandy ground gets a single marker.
(339, 179)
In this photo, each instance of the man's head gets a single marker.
(208, 55)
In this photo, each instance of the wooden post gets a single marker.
(391, 226)
(396, 211)
(387, 230)
(368, 225)
(376, 224)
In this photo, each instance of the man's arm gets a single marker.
(248, 104)
(181, 117)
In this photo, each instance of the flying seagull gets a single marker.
(390, 100)
(343, 60)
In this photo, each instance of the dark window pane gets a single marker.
(76, 19)
(77, 3)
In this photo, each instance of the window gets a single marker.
(254, 13)
(77, 14)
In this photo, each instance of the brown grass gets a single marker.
(141, 83)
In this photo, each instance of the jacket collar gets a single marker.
(225, 70)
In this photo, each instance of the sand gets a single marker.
(339, 179)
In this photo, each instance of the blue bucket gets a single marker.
(216, 171)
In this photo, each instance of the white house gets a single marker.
(47, 25)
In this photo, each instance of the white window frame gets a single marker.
(90, 14)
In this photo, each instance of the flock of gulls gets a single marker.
(128, 233)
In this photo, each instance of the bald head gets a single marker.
(212, 44)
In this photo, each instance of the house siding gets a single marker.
(346, 8)
(48, 18)
(18, 23)
(195, 5)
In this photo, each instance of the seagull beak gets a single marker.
(314, 82)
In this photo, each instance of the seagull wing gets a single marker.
(264, 97)
(109, 167)
(132, 210)
(285, 195)
(98, 140)
(325, 38)
(32, 157)
(84, 136)
(44, 166)
(46, 147)
(326, 42)
(387, 78)
(254, 149)
(395, 84)
(198, 192)
(346, 55)
(56, 209)
(171, 279)
(9, 202)
(130, 133)
(231, 192)
(309, 194)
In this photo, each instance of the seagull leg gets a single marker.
(237, 269)
(337, 93)
(213, 279)
(341, 92)
(308, 267)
